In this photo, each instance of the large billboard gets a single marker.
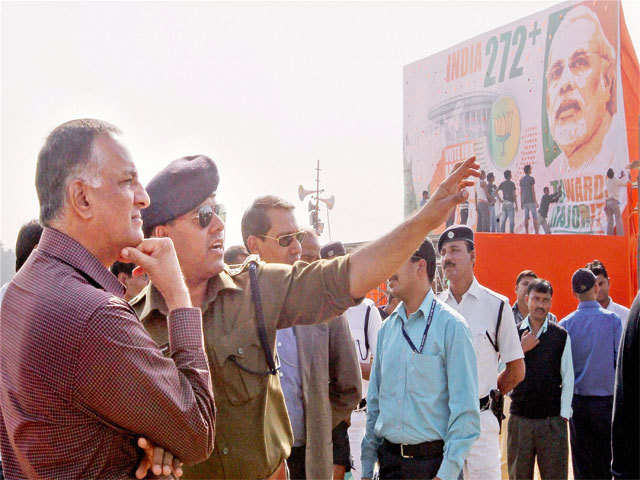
(539, 103)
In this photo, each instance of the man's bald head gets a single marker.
(310, 246)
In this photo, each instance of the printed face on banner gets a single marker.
(541, 92)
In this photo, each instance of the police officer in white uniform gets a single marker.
(364, 322)
(490, 319)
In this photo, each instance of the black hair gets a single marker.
(597, 268)
(525, 274)
(540, 285)
(232, 254)
(255, 220)
(28, 237)
(426, 252)
(121, 267)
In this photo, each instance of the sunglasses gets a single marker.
(285, 240)
(205, 214)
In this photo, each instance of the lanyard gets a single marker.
(426, 330)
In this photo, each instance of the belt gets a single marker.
(425, 449)
(485, 402)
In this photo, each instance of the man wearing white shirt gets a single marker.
(616, 190)
(494, 337)
(604, 284)
(482, 204)
(364, 322)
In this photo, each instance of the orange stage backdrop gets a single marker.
(555, 257)
(500, 257)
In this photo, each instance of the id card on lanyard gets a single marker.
(426, 330)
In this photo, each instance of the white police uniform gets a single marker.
(356, 318)
(480, 307)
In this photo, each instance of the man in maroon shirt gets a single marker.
(81, 380)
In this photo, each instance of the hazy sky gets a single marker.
(265, 89)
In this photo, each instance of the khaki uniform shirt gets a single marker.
(253, 434)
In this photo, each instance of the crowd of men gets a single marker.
(496, 205)
(133, 345)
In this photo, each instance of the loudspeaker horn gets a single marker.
(303, 192)
(329, 202)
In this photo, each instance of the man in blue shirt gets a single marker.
(423, 413)
(541, 403)
(595, 335)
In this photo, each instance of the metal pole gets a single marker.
(317, 222)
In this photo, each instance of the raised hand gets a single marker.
(450, 192)
(157, 257)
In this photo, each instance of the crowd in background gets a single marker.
(124, 340)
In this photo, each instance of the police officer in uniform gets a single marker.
(490, 319)
(242, 309)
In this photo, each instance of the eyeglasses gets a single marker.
(205, 215)
(285, 240)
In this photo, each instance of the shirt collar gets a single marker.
(153, 299)
(525, 324)
(64, 248)
(424, 307)
(474, 290)
(588, 304)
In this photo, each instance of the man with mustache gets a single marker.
(494, 336)
(581, 81)
(81, 378)
(320, 375)
(244, 308)
(541, 403)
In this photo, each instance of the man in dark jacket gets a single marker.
(625, 428)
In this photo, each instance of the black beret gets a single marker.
(583, 280)
(455, 232)
(178, 188)
(333, 249)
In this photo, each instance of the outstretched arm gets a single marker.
(377, 261)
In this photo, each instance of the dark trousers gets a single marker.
(590, 429)
(394, 466)
(544, 438)
(341, 447)
(464, 215)
(295, 462)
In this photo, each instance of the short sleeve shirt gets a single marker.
(508, 189)
(479, 306)
(356, 318)
(526, 189)
(480, 190)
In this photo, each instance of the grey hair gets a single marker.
(67, 155)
